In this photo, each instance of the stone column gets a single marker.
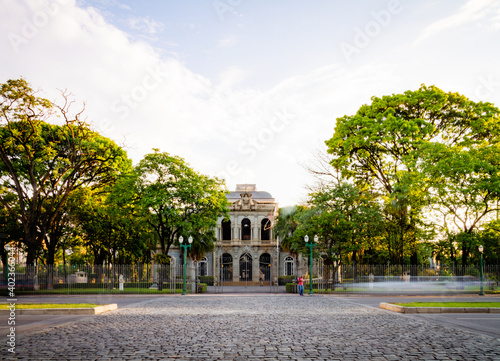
(236, 268)
(191, 275)
(255, 268)
(302, 268)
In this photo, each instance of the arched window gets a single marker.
(265, 266)
(265, 229)
(203, 267)
(226, 230)
(246, 229)
(288, 266)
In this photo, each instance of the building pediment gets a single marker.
(245, 203)
(246, 197)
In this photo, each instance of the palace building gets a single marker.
(246, 252)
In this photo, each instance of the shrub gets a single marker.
(291, 288)
(209, 280)
(162, 259)
(283, 280)
(202, 287)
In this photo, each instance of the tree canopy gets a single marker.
(178, 200)
(42, 163)
(405, 169)
(422, 150)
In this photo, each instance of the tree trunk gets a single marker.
(5, 261)
(50, 264)
(413, 266)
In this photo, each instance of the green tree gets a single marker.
(386, 144)
(346, 219)
(286, 223)
(43, 163)
(465, 185)
(10, 230)
(179, 201)
(110, 227)
(489, 237)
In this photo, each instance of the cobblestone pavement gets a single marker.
(246, 327)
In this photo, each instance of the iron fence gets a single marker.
(166, 279)
(406, 279)
(101, 279)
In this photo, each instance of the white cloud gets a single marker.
(227, 41)
(472, 11)
(247, 135)
(112, 3)
(145, 25)
(221, 128)
(231, 77)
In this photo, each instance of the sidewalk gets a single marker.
(34, 323)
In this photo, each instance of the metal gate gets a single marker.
(265, 269)
(247, 282)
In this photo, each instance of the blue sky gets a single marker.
(245, 90)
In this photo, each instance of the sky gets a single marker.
(244, 90)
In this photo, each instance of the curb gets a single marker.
(403, 309)
(63, 311)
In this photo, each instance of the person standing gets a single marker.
(300, 282)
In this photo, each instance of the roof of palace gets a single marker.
(249, 188)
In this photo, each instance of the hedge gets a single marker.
(209, 280)
(283, 280)
(202, 287)
(291, 288)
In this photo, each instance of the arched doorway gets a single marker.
(245, 268)
(203, 267)
(227, 267)
(265, 267)
(246, 229)
(289, 266)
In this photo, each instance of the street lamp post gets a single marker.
(185, 247)
(481, 293)
(311, 245)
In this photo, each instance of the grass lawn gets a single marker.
(49, 305)
(466, 290)
(450, 304)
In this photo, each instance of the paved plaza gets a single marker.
(253, 327)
